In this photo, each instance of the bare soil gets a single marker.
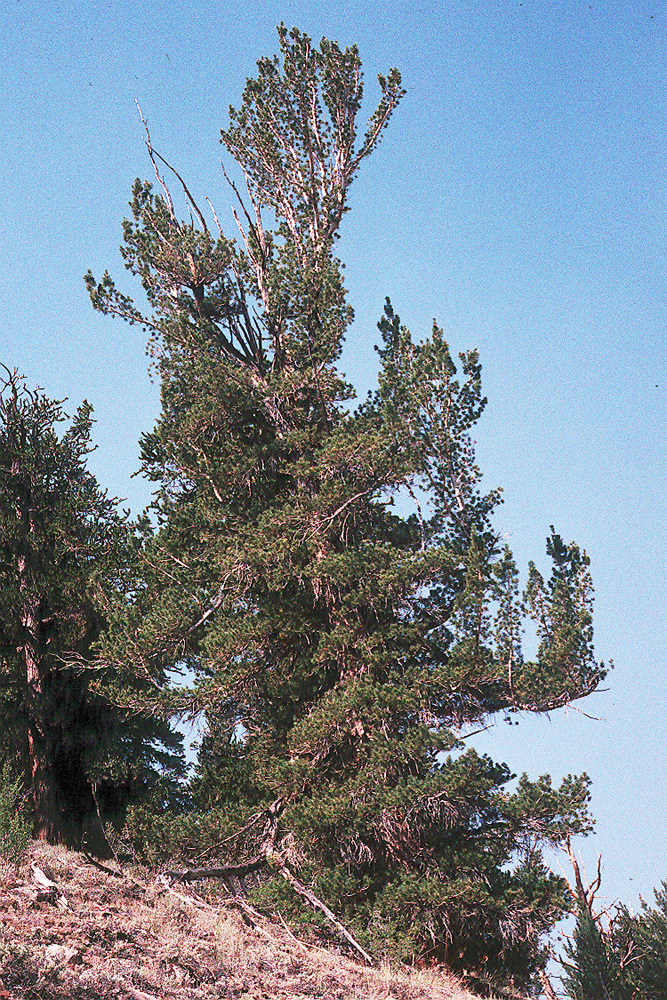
(70, 930)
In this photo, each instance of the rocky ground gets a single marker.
(74, 930)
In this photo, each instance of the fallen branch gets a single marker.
(251, 917)
(103, 868)
(268, 856)
(197, 874)
(228, 872)
(261, 861)
(319, 905)
(200, 904)
(293, 937)
(121, 874)
(53, 890)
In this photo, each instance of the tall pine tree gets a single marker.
(340, 647)
(623, 957)
(592, 970)
(63, 543)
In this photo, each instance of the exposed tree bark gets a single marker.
(41, 784)
(63, 545)
(547, 988)
(63, 804)
(269, 856)
(319, 905)
(62, 797)
(40, 779)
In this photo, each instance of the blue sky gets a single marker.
(520, 197)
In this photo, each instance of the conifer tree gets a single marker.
(593, 972)
(621, 959)
(341, 648)
(639, 942)
(63, 543)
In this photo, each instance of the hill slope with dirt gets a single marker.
(71, 929)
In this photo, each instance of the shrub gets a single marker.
(15, 828)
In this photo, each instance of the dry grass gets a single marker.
(100, 936)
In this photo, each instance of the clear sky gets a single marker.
(519, 196)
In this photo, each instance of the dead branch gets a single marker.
(259, 860)
(54, 892)
(191, 900)
(234, 836)
(266, 857)
(319, 905)
(152, 154)
(160, 180)
(547, 988)
(251, 917)
(225, 871)
(292, 936)
(103, 868)
(582, 895)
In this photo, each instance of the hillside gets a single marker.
(72, 930)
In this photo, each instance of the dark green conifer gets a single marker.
(341, 647)
(625, 959)
(639, 942)
(63, 543)
(592, 969)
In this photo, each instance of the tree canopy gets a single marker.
(63, 545)
(619, 955)
(328, 572)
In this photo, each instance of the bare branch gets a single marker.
(210, 205)
(319, 905)
(154, 153)
(161, 180)
(547, 988)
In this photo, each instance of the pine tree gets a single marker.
(62, 546)
(592, 969)
(621, 959)
(614, 955)
(341, 647)
(639, 942)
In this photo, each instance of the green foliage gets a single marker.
(640, 941)
(593, 972)
(64, 547)
(15, 828)
(331, 577)
(625, 960)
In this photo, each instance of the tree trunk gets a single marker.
(41, 784)
(42, 793)
(64, 808)
(49, 820)
(63, 803)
